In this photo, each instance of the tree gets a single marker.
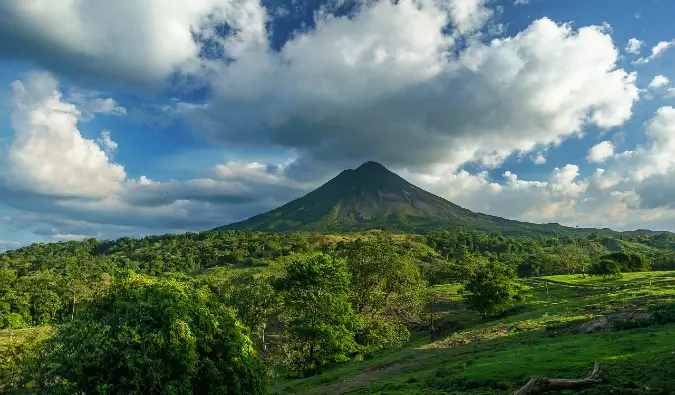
(493, 289)
(628, 261)
(254, 299)
(314, 291)
(149, 336)
(383, 281)
(386, 292)
(606, 268)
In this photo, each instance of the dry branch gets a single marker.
(539, 385)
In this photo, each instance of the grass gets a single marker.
(545, 335)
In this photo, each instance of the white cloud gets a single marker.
(60, 177)
(469, 15)
(540, 159)
(649, 168)
(657, 51)
(658, 82)
(90, 105)
(48, 154)
(601, 152)
(106, 142)
(670, 92)
(634, 46)
(554, 199)
(521, 2)
(154, 39)
(353, 78)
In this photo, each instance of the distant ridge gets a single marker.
(371, 196)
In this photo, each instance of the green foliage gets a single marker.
(606, 268)
(492, 290)
(384, 280)
(255, 300)
(316, 313)
(386, 292)
(379, 307)
(149, 336)
(628, 261)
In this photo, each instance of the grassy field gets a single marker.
(560, 329)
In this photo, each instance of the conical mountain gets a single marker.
(371, 196)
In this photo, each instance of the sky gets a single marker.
(139, 117)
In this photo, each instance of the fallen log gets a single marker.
(539, 385)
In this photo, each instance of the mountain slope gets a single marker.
(372, 196)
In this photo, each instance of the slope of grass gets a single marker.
(546, 335)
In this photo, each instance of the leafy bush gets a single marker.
(149, 336)
(493, 289)
(372, 334)
(606, 268)
(628, 261)
(316, 312)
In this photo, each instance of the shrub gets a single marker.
(149, 336)
(606, 268)
(492, 290)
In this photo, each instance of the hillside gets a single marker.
(558, 331)
(371, 196)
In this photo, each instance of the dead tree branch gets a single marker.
(539, 385)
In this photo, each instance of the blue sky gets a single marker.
(210, 111)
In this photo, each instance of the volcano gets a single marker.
(371, 197)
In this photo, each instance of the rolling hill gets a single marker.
(372, 196)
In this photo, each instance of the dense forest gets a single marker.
(292, 303)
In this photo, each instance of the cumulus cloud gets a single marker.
(60, 177)
(657, 51)
(552, 200)
(90, 104)
(601, 152)
(106, 142)
(540, 159)
(48, 155)
(521, 2)
(331, 93)
(658, 82)
(468, 15)
(634, 45)
(562, 197)
(648, 169)
(131, 41)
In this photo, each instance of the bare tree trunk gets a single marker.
(539, 385)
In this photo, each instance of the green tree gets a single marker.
(606, 268)
(628, 261)
(255, 300)
(386, 292)
(316, 313)
(149, 336)
(493, 289)
(383, 280)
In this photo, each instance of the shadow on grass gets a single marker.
(633, 362)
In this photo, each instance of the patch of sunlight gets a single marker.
(616, 358)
